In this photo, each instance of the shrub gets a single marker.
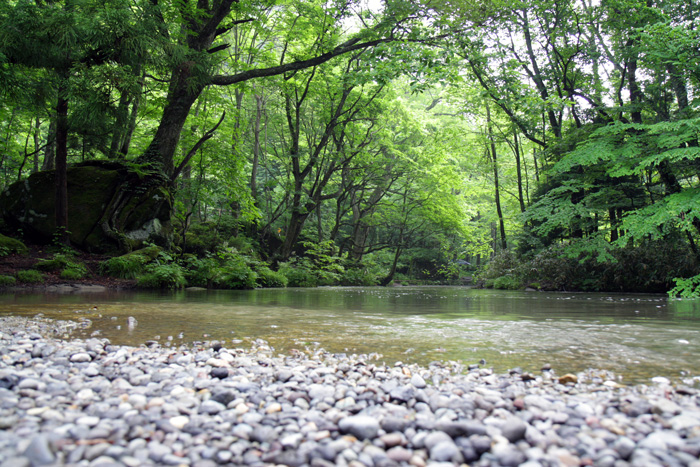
(236, 275)
(130, 265)
(30, 276)
(507, 283)
(6, 281)
(162, 276)
(124, 267)
(269, 278)
(299, 273)
(59, 261)
(234, 271)
(69, 268)
(358, 276)
(202, 238)
(10, 245)
(74, 272)
(202, 272)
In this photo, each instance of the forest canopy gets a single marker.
(360, 142)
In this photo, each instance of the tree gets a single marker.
(66, 41)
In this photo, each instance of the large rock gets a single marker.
(110, 207)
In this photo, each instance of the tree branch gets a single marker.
(348, 46)
(194, 149)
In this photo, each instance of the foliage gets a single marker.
(57, 262)
(235, 271)
(201, 272)
(507, 282)
(269, 278)
(130, 265)
(650, 267)
(7, 281)
(30, 276)
(686, 288)
(69, 268)
(124, 267)
(74, 272)
(202, 238)
(162, 276)
(300, 272)
(366, 273)
(350, 144)
(10, 245)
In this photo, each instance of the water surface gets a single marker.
(635, 336)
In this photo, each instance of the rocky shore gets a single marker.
(87, 402)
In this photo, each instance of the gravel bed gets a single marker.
(90, 403)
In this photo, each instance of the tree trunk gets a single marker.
(397, 254)
(296, 222)
(161, 151)
(61, 178)
(516, 151)
(494, 160)
(50, 150)
(35, 167)
(256, 147)
(613, 225)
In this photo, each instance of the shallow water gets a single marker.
(635, 336)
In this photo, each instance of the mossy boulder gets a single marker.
(111, 207)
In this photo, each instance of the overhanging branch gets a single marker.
(348, 46)
(194, 149)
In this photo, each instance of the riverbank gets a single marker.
(51, 280)
(87, 402)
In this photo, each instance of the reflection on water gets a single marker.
(636, 336)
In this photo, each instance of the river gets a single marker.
(635, 336)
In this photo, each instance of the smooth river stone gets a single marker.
(360, 426)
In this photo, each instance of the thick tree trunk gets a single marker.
(161, 151)
(389, 277)
(296, 222)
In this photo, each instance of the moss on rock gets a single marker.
(11, 245)
(110, 207)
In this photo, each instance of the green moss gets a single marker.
(6, 281)
(54, 264)
(30, 276)
(69, 267)
(10, 245)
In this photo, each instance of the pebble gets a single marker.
(207, 405)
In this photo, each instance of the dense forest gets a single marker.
(243, 143)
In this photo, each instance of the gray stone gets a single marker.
(360, 426)
(211, 407)
(418, 381)
(402, 393)
(625, 447)
(446, 451)
(514, 429)
(39, 451)
(462, 428)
